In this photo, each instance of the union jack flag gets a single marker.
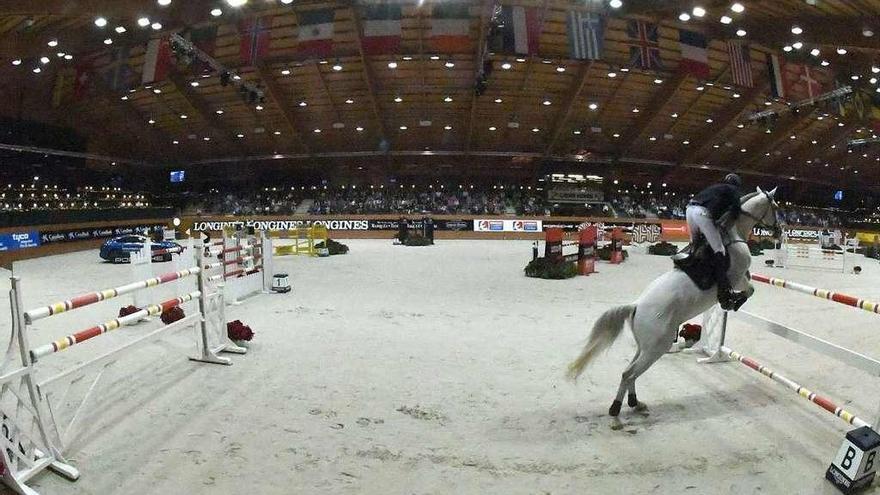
(644, 46)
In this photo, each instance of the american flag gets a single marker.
(644, 47)
(740, 63)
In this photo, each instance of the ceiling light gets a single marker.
(520, 60)
(219, 112)
(506, 66)
(684, 16)
(875, 69)
(175, 142)
(797, 45)
(194, 84)
(183, 116)
(652, 138)
(449, 64)
(398, 99)
(143, 22)
(700, 88)
(392, 65)
(840, 124)
(259, 107)
(615, 135)
(841, 51)
(736, 95)
(68, 57)
(37, 70)
(448, 127)
(349, 101)
(815, 52)
(492, 128)
(303, 104)
(873, 80)
(277, 133)
(635, 110)
(100, 22)
(742, 150)
(698, 11)
(658, 81)
(592, 106)
(560, 69)
(824, 63)
(709, 121)
(435, 57)
(726, 20)
(740, 126)
(535, 129)
(216, 12)
(741, 32)
(359, 128)
(157, 91)
(546, 103)
(156, 26)
(796, 30)
(239, 136)
(206, 138)
(786, 48)
(120, 29)
(624, 69)
(498, 100)
(737, 7)
(615, 4)
(44, 60)
(447, 99)
(403, 128)
(612, 74)
(236, 3)
(867, 32)
(854, 77)
(337, 67)
(53, 43)
(164, 3)
(16, 61)
(285, 72)
(317, 131)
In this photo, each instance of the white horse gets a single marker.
(670, 300)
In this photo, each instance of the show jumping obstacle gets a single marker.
(304, 240)
(555, 241)
(712, 342)
(36, 429)
(247, 264)
(812, 256)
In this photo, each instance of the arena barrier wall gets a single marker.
(712, 343)
(36, 423)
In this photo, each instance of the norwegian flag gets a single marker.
(644, 46)
(255, 39)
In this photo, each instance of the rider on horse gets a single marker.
(703, 212)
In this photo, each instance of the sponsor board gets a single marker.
(335, 224)
(793, 233)
(101, 233)
(498, 225)
(19, 240)
(635, 232)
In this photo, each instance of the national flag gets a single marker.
(586, 35)
(644, 44)
(255, 38)
(382, 31)
(316, 32)
(803, 82)
(118, 74)
(519, 31)
(157, 60)
(83, 84)
(62, 91)
(740, 63)
(694, 56)
(774, 70)
(450, 28)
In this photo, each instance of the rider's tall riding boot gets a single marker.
(725, 293)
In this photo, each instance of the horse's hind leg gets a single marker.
(644, 360)
(626, 383)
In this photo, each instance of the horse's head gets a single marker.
(760, 206)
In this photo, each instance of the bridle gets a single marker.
(759, 221)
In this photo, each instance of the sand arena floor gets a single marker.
(440, 370)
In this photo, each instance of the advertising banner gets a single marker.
(504, 225)
(102, 233)
(19, 240)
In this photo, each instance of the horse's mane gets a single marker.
(747, 197)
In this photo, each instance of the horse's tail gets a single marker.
(605, 331)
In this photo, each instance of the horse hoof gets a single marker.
(614, 410)
(616, 424)
(641, 407)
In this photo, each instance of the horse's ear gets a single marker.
(758, 189)
(772, 192)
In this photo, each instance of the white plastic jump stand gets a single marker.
(711, 337)
(214, 339)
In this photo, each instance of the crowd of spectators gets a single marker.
(495, 200)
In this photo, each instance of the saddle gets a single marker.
(695, 260)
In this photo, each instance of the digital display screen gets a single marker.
(178, 176)
(838, 195)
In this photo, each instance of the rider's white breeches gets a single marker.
(700, 221)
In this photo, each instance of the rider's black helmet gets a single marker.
(733, 179)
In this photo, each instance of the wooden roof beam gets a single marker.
(778, 135)
(276, 95)
(658, 102)
(569, 101)
(485, 17)
(834, 135)
(368, 75)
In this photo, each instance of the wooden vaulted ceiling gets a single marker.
(639, 117)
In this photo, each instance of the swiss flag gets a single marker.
(803, 82)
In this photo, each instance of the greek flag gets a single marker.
(586, 33)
